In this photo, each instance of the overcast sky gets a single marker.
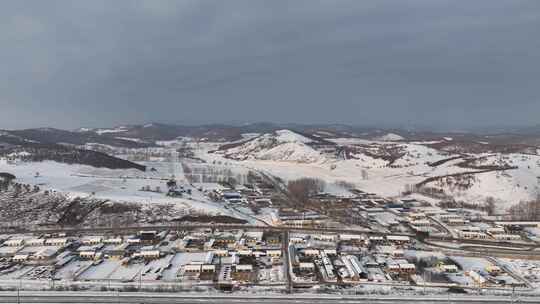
(367, 62)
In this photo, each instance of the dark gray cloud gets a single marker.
(431, 62)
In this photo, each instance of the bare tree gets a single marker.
(490, 205)
(365, 175)
(303, 188)
(526, 210)
(345, 184)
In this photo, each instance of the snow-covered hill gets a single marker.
(389, 168)
(117, 185)
(508, 187)
(282, 145)
(463, 166)
(390, 137)
(290, 136)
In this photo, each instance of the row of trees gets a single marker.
(5, 180)
(70, 155)
(302, 189)
(488, 206)
(210, 174)
(526, 210)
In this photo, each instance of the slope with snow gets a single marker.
(390, 137)
(284, 145)
(381, 177)
(121, 185)
(507, 187)
(289, 155)
(115, 130)
(290, 136)
(414, 165)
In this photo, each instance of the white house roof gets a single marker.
(400, 238)
(244, 267)
(306, 265)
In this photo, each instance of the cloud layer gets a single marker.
(431, 62)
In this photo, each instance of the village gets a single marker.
(288, 244)
(232, 259)
(217, 225)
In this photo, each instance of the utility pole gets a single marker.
(19, 292)
(140, 279)
(424, 279)
(515, 297)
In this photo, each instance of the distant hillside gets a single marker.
(163, 132)
(147, 135)
(57, 136)
(37, 152)
(281, 145)
(224, 133)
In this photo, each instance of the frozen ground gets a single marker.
(127, 272)
(381, 180)
(527, 269)
(179, 260)
(72, 269)
(469, 263)
(285, 145)
(100, 272)
(153, 270)
(115, 271)
(117, 185)
(15, 273)
(507, 187)
(289, 156)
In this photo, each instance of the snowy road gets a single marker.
(112, 297)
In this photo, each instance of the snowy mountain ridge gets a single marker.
(282, 145)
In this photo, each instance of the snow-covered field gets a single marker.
(509, 186)
(381, 180)
(377, 175)
(179, 260)
(289, 155)
(117, 185)
(528, 269)
(285, 145)
(102, 271)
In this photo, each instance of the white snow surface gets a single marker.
(290, 136)
(285, 146)
(390, 137)
(115, 130)
(121, 185)
(507, 187)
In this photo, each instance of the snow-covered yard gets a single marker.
(179, 260)
(528, 269)
(101, 271)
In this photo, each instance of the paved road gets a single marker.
(285, 252)
(169, 298)
(521, 250)
(181, 226)
(525, 251)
